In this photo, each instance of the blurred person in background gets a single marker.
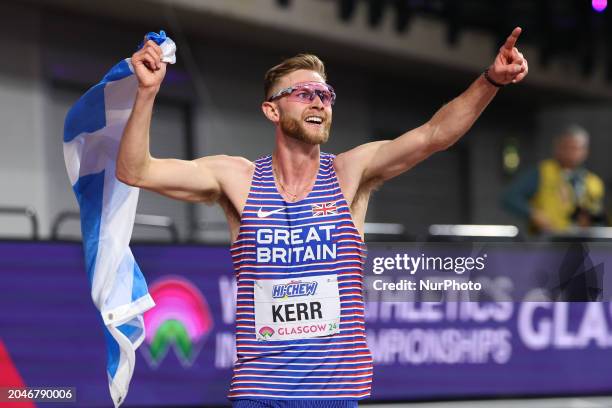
(296, 220)
(560, 192)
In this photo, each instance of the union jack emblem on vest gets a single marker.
(324, 209)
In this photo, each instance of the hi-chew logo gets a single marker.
(293, 289)
(181, 320)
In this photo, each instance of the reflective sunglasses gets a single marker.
(305, 92)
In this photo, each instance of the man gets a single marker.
(296, 220)
(559, 193)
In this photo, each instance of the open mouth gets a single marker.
(314, 120)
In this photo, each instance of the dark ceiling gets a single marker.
(558, 28)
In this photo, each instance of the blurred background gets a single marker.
(393, 63)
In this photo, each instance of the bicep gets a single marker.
(186, 180)
(390, 158)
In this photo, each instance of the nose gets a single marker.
(317, 102)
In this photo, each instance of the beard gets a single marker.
(296, 129)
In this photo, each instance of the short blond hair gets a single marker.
(301, 61)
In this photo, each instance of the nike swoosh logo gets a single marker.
(263, 214)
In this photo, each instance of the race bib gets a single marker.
(289, 309)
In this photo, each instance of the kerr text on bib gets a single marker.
(288, 309)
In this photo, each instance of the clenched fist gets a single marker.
(148, 66)
(510, 66)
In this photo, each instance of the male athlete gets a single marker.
(296, 221)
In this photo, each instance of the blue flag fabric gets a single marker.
(92, 132)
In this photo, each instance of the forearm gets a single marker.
(386, 159)
(454, 119)
(134, 155)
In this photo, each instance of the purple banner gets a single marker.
(51, 334)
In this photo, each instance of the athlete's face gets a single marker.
(297, 119)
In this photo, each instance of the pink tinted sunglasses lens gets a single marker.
(307, 93)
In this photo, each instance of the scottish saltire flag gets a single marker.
(92, 132)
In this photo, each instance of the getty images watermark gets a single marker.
(488, 272)
(412, 265)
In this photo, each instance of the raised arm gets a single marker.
(188, 180)
(380, 161)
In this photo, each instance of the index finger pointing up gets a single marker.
(511, 40)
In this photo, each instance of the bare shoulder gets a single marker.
(350, 166)
(227, 169)
(358, 156)
(225, 162)
(233, 175)
(362, 149)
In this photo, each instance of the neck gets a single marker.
(295, 163)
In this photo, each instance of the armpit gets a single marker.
(359, 206)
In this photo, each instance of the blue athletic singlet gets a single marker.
(300, 330)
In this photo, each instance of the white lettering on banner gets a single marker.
(540, 325)
(561, 334)
(546, 324)
(535, 335)
(410, 311)
(594, 327)
(225, 350)
(296, 245)
(439, 311)
(227, 286)
(442, 346)
(288, 309)
(482, 312)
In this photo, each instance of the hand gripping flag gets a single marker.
(92, 131)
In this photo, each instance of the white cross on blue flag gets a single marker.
(92, 132)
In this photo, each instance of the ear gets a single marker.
(271, 111)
